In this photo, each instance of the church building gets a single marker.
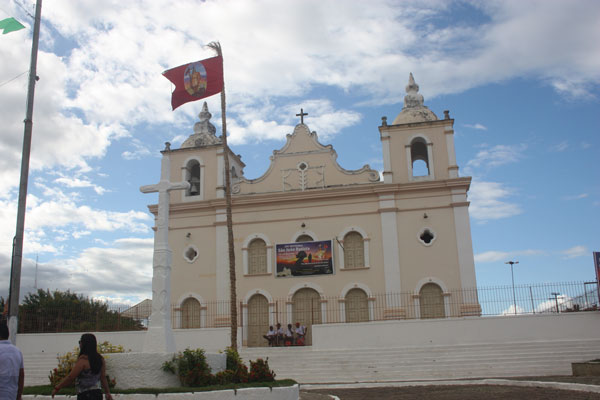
(317, 243)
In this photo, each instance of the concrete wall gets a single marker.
(458, 331)
(397, 333)
(210, 339)
(278, 393)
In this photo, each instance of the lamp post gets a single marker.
(513, 283)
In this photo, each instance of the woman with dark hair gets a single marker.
(89, 372)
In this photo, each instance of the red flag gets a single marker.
(196, 80)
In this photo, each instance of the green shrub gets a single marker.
(68, 360)
(191, 368)
(233, 360)
(260, 371)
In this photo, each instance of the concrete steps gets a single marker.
(38, 367)
(307, 365)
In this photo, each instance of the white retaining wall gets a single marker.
(397, 333)
(210, 339)
(457, 331)
(278, 393)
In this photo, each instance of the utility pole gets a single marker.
(513, 283)
(17, 260)
(555, 298)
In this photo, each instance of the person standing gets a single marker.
(89, 370)
(12, 373)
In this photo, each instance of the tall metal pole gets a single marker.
(15, 271)
(513, 283)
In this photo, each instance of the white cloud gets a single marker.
(511, 310)
(494, 256)
(487, 201)
(139, 150)
(562, 146)
(73, 182)
(576, 197)
(575, 251)
(550, 305)
(477, 126)
(491, 157)
(97, 272)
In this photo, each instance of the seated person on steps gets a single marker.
(270, 336)
(289, 335)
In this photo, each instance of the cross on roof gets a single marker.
(301, 115)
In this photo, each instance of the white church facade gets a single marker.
(316, 243)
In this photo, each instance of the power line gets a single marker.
(10, 80)
(24, 9)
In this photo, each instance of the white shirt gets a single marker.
(271, 332)
(11, 361)
(300, 330)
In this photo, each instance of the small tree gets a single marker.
(45, 311)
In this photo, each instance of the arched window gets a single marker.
(419, 157)
(354, 250)
(431, 301)
(192, 175)
(304, 238)
(357, 306)
(190, 313)
(257, 257)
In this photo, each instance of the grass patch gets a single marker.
(46, 390)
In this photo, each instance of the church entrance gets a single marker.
(357, 306)
(306, 309)
(258, 320)
(190, 313)
(432, 301)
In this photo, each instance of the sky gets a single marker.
(520, 78)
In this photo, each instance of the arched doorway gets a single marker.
(306, 309)
(190, 313)
(258, 320)
(432, 301)
(357, 306)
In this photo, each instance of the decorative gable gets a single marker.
(302, 164)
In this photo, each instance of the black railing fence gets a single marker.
(309, 308)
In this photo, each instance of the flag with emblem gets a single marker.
(196, 80)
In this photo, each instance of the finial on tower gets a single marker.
(414, 109)
(204, 131)
(413, 98)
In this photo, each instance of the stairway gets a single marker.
(38, 367)
(306, 365)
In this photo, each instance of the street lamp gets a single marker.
(513, 283)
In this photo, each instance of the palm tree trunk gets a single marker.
(232, 279)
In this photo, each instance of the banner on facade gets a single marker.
(304, 258)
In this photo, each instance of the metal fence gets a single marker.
(308, 308)
(358, 306)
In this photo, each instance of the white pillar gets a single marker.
(159, 337)
(389, 234)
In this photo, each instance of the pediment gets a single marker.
(304, 163)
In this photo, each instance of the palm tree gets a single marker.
(216, 46)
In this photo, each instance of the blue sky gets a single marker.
(520, 78)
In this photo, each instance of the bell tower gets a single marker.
(418, 146)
